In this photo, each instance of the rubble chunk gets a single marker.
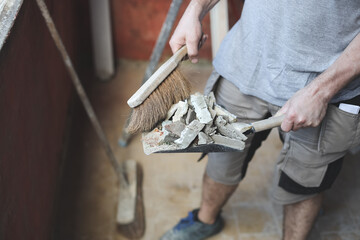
(212, 113)
(241, 126)
(204, 139)
(189, 133)
(152, 142)
(191, 115)
(181, 110)
(174, 127)
(228, 142)
(166, 122)
(171, 111)
(169, 138)
(194, 122)
(228, 130)
(200, 107)
(210, 100)
(209, 129)
(220, 111)
(220, 121)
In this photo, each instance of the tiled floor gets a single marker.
(172, 182)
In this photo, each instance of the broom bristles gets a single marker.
(154, 109)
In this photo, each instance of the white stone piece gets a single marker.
(191, 116)
(169, 138)
(171, 111)
(228, 130)
(189, 133)
(209, 129)
(165, 123)
(228, 142)
(223, 112)
(200, 107)
(241, 126)
(174, 127)
(220, 121)
(204, 139)
(212, 113)
(152, 142)
(181, 110)
(210, 100)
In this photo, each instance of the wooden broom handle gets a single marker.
(158, 77)
(267, 123)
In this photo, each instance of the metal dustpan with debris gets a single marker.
(198, 124)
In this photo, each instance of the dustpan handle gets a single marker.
(268, 123)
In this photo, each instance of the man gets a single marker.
(300, 59)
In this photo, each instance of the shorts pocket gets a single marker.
(338, 131)
(304, 165)
(304, 176)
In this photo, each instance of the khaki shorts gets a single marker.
(310, 159)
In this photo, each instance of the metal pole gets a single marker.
(81, 92)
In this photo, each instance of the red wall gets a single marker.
(137, 23)
(35, 93)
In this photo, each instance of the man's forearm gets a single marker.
(189, 30)
(308, 106)
(202, 7)
(340, 73)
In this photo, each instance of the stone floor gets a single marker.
(172, 182)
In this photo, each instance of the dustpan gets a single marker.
(246, 129)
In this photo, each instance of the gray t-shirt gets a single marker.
(279, 46)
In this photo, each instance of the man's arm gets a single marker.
(189, 30)
(308, 106)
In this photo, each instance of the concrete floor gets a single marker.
(172, 182)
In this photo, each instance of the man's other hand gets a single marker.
(305, 109)
(189, 32)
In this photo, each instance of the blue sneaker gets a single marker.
(190, 228)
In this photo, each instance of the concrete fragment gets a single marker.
(189, 133)
(174, 127)
(212, 113)
(171, 111)
(200, 107)
(169, 138)
(204, 139)
(191, 115)
(220, 121)
(228, 130)
(241, 126)
(209, 129)
(181, 110)
(228, 142)
(166, 122)
(210, 100)
(223, 112)
(152, 142)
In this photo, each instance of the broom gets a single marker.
(155, 97)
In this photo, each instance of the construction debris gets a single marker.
(200, 107)
(189, 134)
(197, 121)
(191, 115)
(182, 109)
(228, 142)
(204, 139)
